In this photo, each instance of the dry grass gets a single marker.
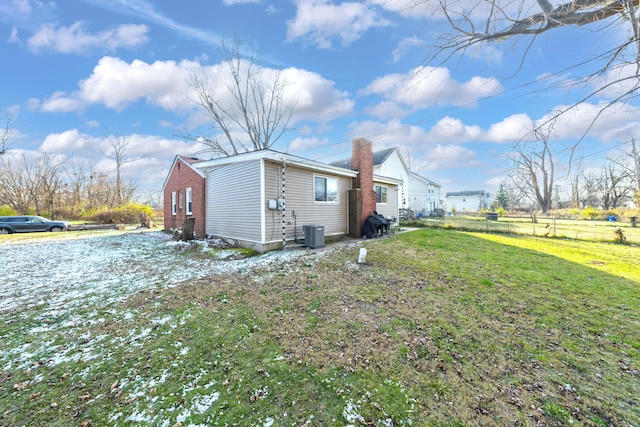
(439, 328)
(510, 337)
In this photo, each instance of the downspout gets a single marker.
(284, 205)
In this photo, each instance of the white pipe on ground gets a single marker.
(363, 255)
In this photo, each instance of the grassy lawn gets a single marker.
(544, 226)
(438, 328)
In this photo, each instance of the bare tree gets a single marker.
(473, 23)
(48, 170)
(617, 180)
(31, 183)
(7, 130)
(415, 165)
(249, 107)
(534, 169)
(14, 185)
(488, 20)
(589, 188)
(119, 146)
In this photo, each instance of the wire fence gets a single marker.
(627, 231)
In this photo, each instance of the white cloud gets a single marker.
(59, 102)
(301, 144)
(116, 84)
(618, 81)
(450, 157)
(453, 131)
(605, 122)
(147, 158)
(316, 98)
(321, 22)
(390, 134)
(387, 110)
(146, 10)
(429, 86)
(13, 37)
(77, 39)
(70, 141)
(410, 8)
(510, 129)
(405, 45)
(22, 11)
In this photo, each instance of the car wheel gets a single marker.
(5, 230)
(56, 229)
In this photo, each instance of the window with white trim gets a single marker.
(325, 189)
(381, 193)
(173, 203)
(189, 197)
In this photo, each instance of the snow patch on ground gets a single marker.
(58, 287)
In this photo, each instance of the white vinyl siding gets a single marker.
(300, 198)
(234, 202)
(390, 208)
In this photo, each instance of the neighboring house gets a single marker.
(184, 195)
(459, 201)
(415, 193)
(263, 199)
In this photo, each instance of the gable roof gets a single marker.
(379, 157)
(423, 179)
(189, 161)
(466, 193)
(280, 157)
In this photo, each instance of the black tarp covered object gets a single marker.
(374, 225)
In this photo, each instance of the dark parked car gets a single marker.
(28, 223)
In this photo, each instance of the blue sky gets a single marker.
(75, 70)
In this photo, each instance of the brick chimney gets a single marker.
(362, 161)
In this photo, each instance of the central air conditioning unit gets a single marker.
(313, 236)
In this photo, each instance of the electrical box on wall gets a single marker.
(276, 204)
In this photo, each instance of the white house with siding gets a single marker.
(468, 200)
(416, 193)
(262, 199)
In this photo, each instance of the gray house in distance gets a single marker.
(460, 201)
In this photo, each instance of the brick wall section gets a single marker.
(362, 161)
(183, 176)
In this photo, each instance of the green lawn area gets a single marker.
(438, 328)
(545, 226)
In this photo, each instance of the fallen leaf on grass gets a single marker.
(21, 386)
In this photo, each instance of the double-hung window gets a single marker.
(381, 194)
(173, 203)
(325, 189)
(189, 197)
